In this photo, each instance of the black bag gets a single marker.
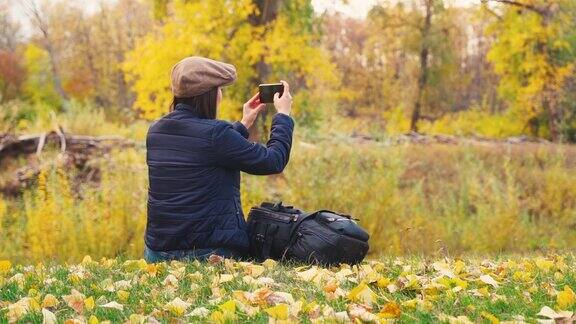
(286, 233)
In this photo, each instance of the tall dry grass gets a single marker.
(413, 199)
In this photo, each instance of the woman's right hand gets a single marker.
(283, 104)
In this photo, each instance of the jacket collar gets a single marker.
(186, 108)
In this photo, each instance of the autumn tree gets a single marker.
(534, 56)
(11, 70)
(46, 40)
(407, 56)
(226, 30)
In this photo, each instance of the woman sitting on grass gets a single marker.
(194, 163)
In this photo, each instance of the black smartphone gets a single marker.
(268, 90)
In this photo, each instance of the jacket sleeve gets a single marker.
(240, 128)
(233, 151)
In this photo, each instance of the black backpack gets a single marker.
(286, 233)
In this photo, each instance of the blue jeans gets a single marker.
(185, 255)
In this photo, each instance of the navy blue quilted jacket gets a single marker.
(194, 172)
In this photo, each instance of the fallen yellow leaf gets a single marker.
(543, 264)
(89, 303)
(229, 306)
(122, 295)
(363, 294)
(269, 263)
(254, 270)
(75, 301)
(490, 317)
(279, 311)
(226, 277)
(113, 305)
(309, 274)
(390, 310)
(487, 279)
(566, 298)
(49, 301)
(383, 282)
(18, 309)
(5, 266)
(93, 320)
(177, 306)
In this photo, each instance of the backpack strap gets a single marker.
(271, 230)
(295, 228)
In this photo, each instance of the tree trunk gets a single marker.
(48, 46)
(423, 76)
(267, 13)
(549, 101)
(55, 71)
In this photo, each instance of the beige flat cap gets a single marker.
(196, 75)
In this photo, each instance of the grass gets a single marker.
(406, 289)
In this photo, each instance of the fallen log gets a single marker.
(74, 152)
(13, 146)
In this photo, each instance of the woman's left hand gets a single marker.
(251, 110)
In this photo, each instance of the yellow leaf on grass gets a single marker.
(122, 295)
(113, 305)
(279, 311)
(308, 275)
(566, 298)
(330, 286)
(152, 269)
(136, 319)
(5, 266)
(254, 270)
(343, 273)
(491, 318)
(34, 305)
(18, 309)
(359, 313)
(75, 301)
(390, 310)
(362, 293)
(487, 279)
(170, 281)
(49, 301)
(228, 307)
(551, 314)
(522, 276)
(93, 320)
(225, 278)
(543, 264)
(177, 306)
(269, 263)
(89, 303)
(459, 266)
(484, 292)
(227, 313)
(86, 260)
(383, 282)
(201, 312)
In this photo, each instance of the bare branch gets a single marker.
(526, 6)
(490, 11)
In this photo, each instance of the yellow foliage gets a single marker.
(396, 121)
(531, 55)
(39, 86)
(222, 32)
(475, 122)
(566, 298)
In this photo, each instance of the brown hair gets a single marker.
(203, 105)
